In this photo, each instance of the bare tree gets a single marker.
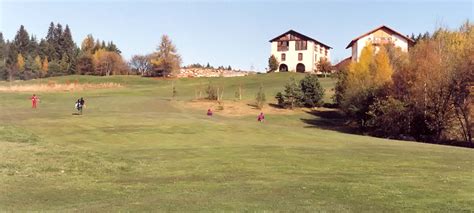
(141, 63)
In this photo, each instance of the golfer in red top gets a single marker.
(34, 101)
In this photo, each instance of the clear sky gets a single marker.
(229, 32)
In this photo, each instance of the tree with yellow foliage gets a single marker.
(382, 70)
(359, 71)
(108, 63)
(20, 62)
(37, 64)
(44, 67)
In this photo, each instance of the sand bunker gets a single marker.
(53, 87)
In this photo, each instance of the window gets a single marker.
(326, 52)
(301, 45)
(282, 45)
(283, 57)
(300, 56)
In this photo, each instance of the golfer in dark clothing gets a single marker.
(79, 104)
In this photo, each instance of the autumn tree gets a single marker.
(108, 63)
(272, 63)
(44, 67)
(382, 70)
(324, 66)
(88, 44)
(20, 62)
(166, 59)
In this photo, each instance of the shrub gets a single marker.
(291, 96)
(211, 92)
(312, 92)
(260, 98)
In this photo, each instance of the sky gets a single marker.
(230, 32)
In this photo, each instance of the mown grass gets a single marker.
(135, 149)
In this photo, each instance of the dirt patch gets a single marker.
(54, 87)
(235, 108)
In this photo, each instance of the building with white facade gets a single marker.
(296, 52)
(379, 36)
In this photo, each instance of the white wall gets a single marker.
(310, 56)
(360, 44)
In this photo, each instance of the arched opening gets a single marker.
(283, 68)
(300, 67)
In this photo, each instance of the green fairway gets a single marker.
(135, 149)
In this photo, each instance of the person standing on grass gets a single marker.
(34, 101)
(261, 117)
(80, 104)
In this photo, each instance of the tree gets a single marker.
(324, 66)
(211, 92)
(21, 41)
(87, 46)
(291, 96)
(166, 58)
(312, 91)
(20, 62)
(85, 65)
(272, 63)
(37, 65)
(260, 97)
(112, 47)
(382, 72)
(108, 63)
(141, 63)
(44, 67)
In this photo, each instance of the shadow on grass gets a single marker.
(328, 119)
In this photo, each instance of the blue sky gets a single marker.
(230, 32)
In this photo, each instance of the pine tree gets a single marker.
(21, 41)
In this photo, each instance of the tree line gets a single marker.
(57, 54)
(421, 95)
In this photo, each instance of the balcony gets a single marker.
(382, 40)
(282, 48)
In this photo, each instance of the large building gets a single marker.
(379, 36)
(296, 52)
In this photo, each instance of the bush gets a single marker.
(291, 96)
(311, 90)
(260, 98)
(211, 92)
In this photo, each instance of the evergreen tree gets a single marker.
(312, 91)
(21, 41)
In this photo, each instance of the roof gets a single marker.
(378, 28)
(344, 62)
(300, 35)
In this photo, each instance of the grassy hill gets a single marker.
(135, 149)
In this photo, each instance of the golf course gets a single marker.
(138, 147)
